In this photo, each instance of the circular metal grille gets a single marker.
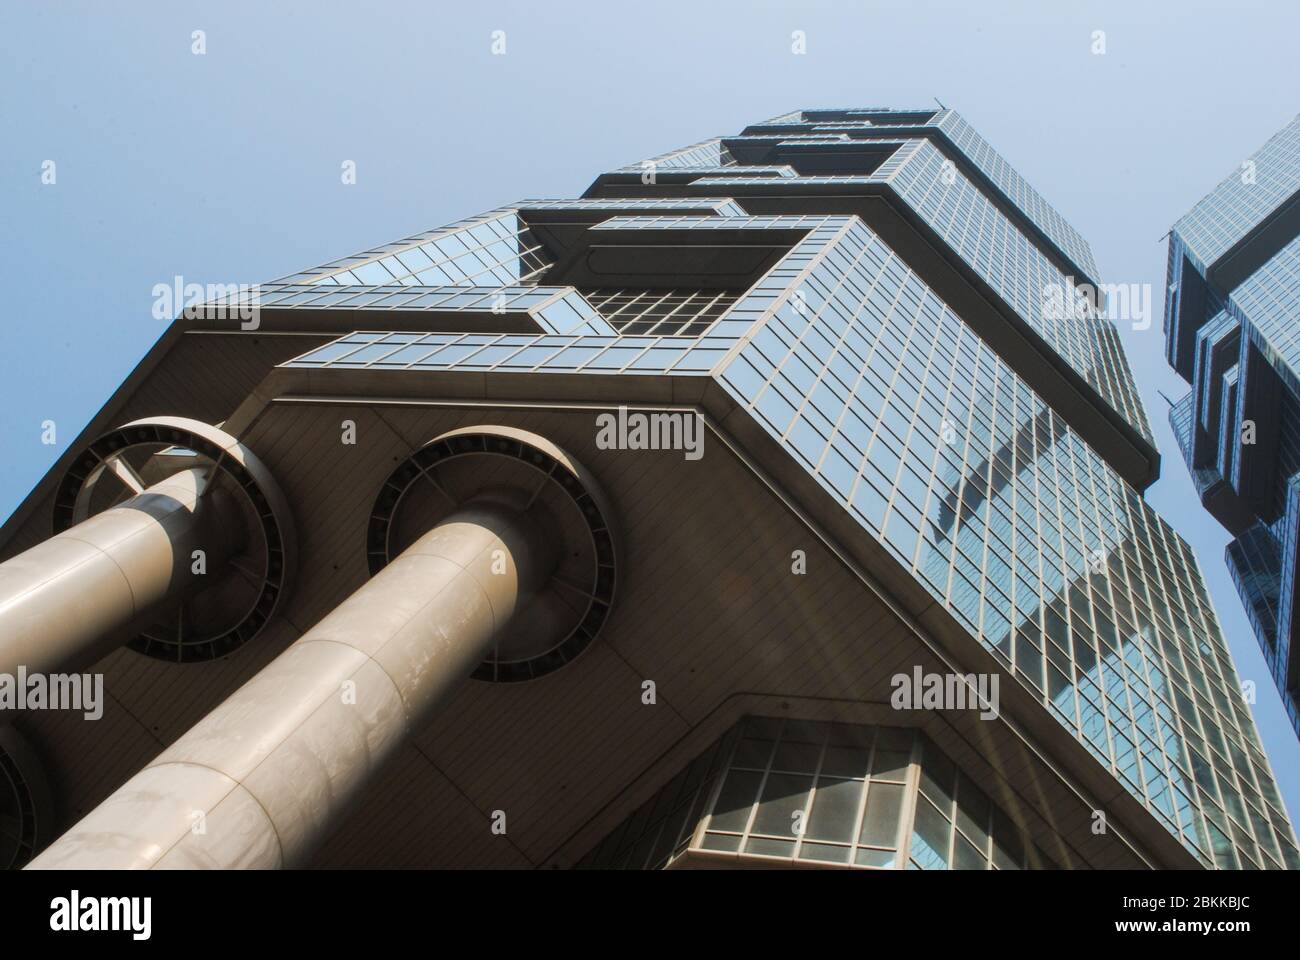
(26, 813)
(582, 589)
(242, 599)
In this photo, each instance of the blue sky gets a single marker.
(225, 167)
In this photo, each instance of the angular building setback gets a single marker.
(1232, 315)
(607, 532)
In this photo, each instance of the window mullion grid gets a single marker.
(762, 785)
(860, 816)
(907, 819)
(812, 793)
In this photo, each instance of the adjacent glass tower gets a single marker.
(1231, 319)
(925, 454)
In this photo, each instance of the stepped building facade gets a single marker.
(1232, 314)
(752, 509)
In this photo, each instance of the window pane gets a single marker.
(966, 857)
(824, 852)
(718, 841)
(930, 836)
(890, 765)
(835, 808)
(782, 796)
(797, 757)
(875, 858)
(845, 762)
(770, 848)
(973, 812)
(880, 823)
(752, 753)
(937, 778)
(1008, 851)
(735, 801)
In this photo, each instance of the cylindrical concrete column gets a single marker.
(67, 601)
(261, 780)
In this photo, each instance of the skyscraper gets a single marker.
(778, 501)
(1231, 317)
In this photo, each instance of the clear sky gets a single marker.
(225, 167)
